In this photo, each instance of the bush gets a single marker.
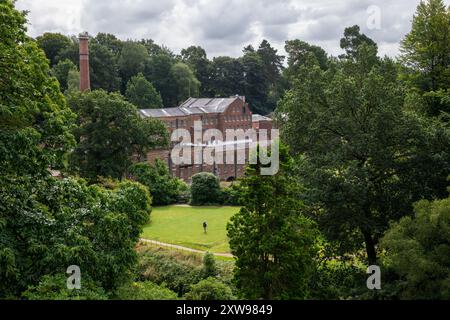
(164, 188)
(54, 287)
(418, 250)
(231, 195)
(205, 189)
(209, 265)
(162, 268)
(210, 289)
(144, 291)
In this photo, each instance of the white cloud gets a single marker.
(224, 27)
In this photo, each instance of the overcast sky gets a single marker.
(224, 27)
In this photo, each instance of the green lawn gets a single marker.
(182, 225)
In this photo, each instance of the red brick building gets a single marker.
(213, 113)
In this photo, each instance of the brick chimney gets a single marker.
(85, 82)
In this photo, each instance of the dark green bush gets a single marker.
(145, 290)
(163, 188)
(205, 189)
(210, 289)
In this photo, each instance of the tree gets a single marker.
(256, 84)
(299, 52)
(273, 63)
(61, 72)
(110, 132)
(73, 81)
(209, 289)
(109, 41)
(195, 57)
(426, 55)
(53, 44)
(353, 39)
(104, 73)
(158, 72)
(132, 60)
(273, 241)
(142, 94)
(418, 250)
(164, 188)
(362, 157)
(186, 83)
(205, 189)
(209, 265)
(227, 77)
(35, 121)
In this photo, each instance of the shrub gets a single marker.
(205, 189)
(418, 250)
(54, 287)
(145, 290)
(210, 289)
(231, 195)
(164, 188)
(209, 265)
(162, 268)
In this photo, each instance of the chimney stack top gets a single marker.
(83, 35)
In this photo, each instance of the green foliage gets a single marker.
(426, 55)
(362, 157)
(142, 94)
(61, 72)
(209, 289)
(272, 240)
(158, 72)
(145, 290)
(227, 78)
(160, 268)
(205, 189)
(163, 187)
(104, 72)
(186, 84)
(110, 132)
(55, 288)
(231, 195)
(73, 81)
(353, 39)
(298, 54)
(209, 265)
(418, 250)
(255, 82)
(33, 112)
(53, 44)
(195, 57)
(50, 224)
(132, 60)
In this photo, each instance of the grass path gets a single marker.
(182, 226)
(162, 244)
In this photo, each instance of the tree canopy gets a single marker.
(110, 132)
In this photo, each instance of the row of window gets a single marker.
(237, 118)
(208, 121)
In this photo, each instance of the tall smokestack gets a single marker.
(85, 82)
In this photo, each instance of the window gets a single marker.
(243, 110)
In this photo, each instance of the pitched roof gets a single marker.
(258, 117)
(192, 106)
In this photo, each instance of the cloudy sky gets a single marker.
(224, 27)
